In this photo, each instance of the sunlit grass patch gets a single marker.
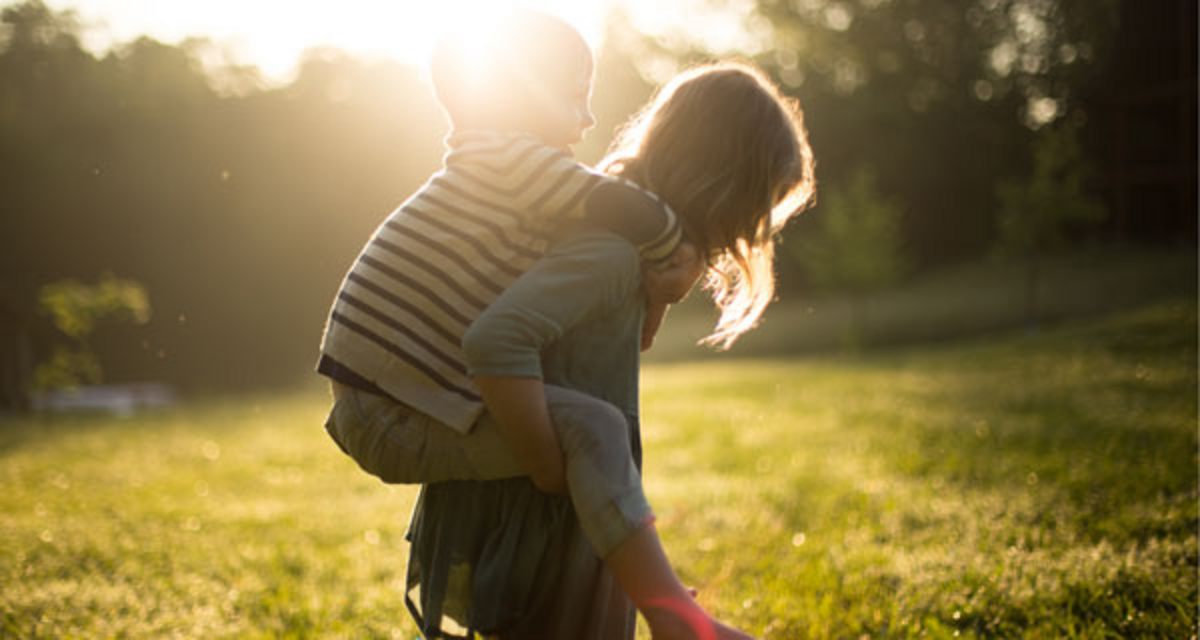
(1029, 486)
(1035, 486)
(227, 519)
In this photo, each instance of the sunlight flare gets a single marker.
(274, 39)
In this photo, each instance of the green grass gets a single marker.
(1023, 486)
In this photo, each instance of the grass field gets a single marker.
(1018, 486)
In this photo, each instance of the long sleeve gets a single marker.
(636, 215)
(584, 275)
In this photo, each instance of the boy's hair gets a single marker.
(508, 75)
(730, 154)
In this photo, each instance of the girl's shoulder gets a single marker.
(597, 261)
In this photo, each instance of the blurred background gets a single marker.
(185, 184)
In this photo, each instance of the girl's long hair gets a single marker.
(729, 153)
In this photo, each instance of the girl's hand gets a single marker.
(670, 282)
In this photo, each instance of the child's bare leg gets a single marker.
(641, 568)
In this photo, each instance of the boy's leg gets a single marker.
(401, 445)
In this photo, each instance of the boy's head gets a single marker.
(527, 71)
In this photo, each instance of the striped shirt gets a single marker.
(448, 251)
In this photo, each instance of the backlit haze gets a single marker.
(273, 35)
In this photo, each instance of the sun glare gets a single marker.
(273, 36)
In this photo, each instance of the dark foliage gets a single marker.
(240, 211)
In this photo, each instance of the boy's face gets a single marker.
(572, 113)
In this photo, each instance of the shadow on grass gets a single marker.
(1105, 414)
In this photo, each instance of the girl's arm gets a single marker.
(503, 346)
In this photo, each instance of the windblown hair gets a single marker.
(729, 153)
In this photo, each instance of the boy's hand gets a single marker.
(554, 484)
(670, 282)
(655, 312)
(667, 284)
(519, 407)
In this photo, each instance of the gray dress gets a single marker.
(499, 557)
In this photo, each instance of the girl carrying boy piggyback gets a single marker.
(489, 331)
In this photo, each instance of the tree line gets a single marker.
(238, 206)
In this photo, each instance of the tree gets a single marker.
(75, 309)
(941, 95)
(239, 211)
(856, 246)
(1035, 213)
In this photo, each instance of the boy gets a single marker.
(516, 100)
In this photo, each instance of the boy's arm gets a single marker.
(670, 281)
(503, 346)
(654, 229)
(636, 215)
(655, 314)
(667, 284)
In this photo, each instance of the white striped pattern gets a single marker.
(445, 254)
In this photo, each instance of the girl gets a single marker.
(729, 154)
